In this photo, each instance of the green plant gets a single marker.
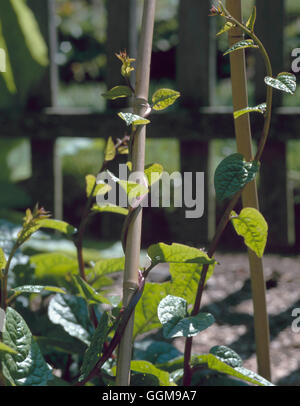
(78, 320)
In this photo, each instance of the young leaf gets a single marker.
(247, 43)
(37, 289)
(227, 27)
(260, 108)
(232, 174)
(58, 225)
(172, 313)
(164, 98)
(71, 313)
(134, 190)
(87, 292)
(178, 253)
(153, 173)
(2, 259)
(134, 119)
(111, 208)
(27, 367)
(110, 150)
(100, 189)
(94, 350)
(285, 81)
(252, 226)
(117, 92)
(251, 21)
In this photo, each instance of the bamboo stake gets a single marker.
(249, 195)
(133, 241)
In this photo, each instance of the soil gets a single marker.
(228, 297)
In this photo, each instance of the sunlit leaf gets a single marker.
(153, 173)
(164, 98)
(284, 81)
(134, 119)
(2, 259)
(110, 150)
(110, 208)
(99, 189)
(227, 27)
(57, 225)
(117, 92)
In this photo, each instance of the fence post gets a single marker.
(273, 173)
(196, 72)
(46, 182)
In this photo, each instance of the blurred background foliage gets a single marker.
(81, 58)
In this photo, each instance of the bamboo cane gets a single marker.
(249, 195)
(133, 241)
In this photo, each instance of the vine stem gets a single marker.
(133, 240)
(226, 215)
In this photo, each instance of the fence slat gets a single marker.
(273, 174)
(196, 80)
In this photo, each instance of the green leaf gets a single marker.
(252, 226)
(260, 108)
(223, 364)
(58, 225)
(146, 318)
(227, 355)
(71, 313)
(247, 43)
(284, 81)
(87, 292)
(133, 190)
(6, 348)
(146, 367)
(2, 259)
(227, 27)
(110, 208)
(232, 174)
(37, 289)
(133, 119)
(72, 346)
(94, 350)
(172, 312)
(117, 92)
(155, 351)
(251, 21)
(178, 253)
(27, 367)
(100, 188)
(164, 98)
(153, 173)
(110, 265)
(110, 150)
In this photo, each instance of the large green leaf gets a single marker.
(27, 367)
(71, 313)
(252, 226)
(178, 253)
(284, 81)
(246, 43)
(172, 313)
(94, 350)
(232, 174)
(222, 362)
(117, 92)
(155, 351)
(164, 98)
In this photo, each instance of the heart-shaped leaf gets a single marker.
(164, 98)
(284, 81)
(252, 226)
(232, 174)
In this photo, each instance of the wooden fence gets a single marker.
(195, 125)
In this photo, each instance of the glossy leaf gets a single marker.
(227, 27)
(251, 21)
(94, 350)
(110, 150)
(232, 174)
(252, 226)
(178, 253)
(172, 313)
(133, 119)
(164, 98)
(227, 355)
(284, 81)
(57, 225)
(117, 92)
(27, 367)
(37, 289)
(99, 189)
(71, 313)
(260, 108)
(247, 43)
(110, 208)
(145, 367)
(153, 173)
(2, 259)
